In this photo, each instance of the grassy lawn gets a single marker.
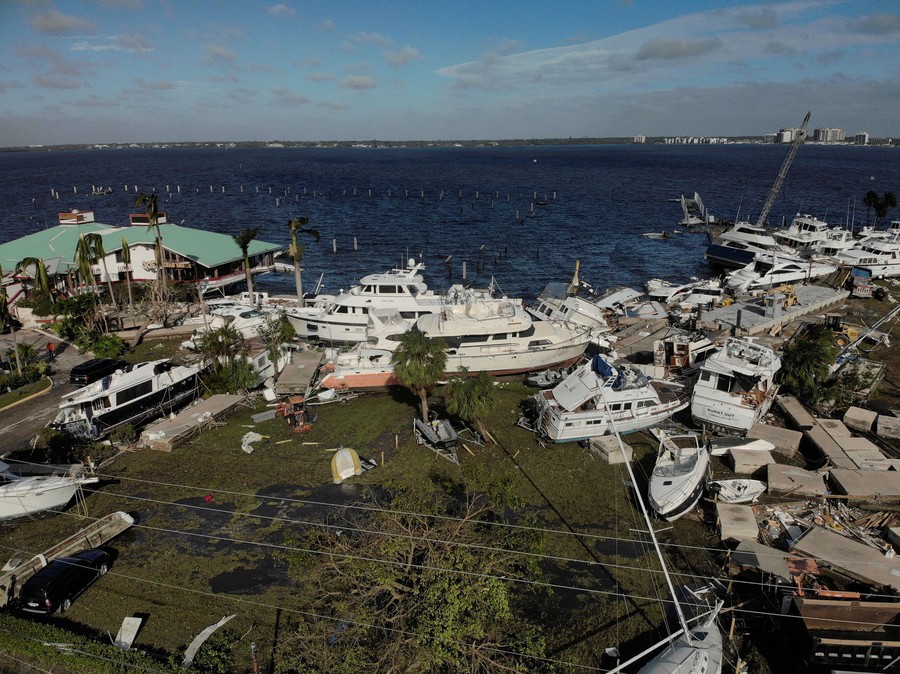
(12, 397)
(214, 521)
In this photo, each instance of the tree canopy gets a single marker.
(408, 592)
(806, 362)
(471, 399)
(419, 363)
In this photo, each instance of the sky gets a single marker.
(117, 71)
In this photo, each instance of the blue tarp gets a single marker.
(601, 367)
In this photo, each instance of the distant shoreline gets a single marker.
(390, 144)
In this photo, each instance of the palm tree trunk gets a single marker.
(298, 281)
(423, 399)
(12, 330)
(249, 277)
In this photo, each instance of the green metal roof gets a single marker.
(209, 249)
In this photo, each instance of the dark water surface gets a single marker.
(599, 201)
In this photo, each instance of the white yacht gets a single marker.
(808, 236)
(738, 245)
(484, 335)
(769, 271)
(596, 396)
(736, 386)
(677, 480)
(565, 302)
(139, 392)
(879, 256)
(345, 318)
(28, 497)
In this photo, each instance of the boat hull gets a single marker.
(35, 497)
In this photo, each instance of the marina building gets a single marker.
(212, 260)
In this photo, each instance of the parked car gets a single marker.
(58, 584)
(94, 369)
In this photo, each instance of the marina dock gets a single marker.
(297, 375)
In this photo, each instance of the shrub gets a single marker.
(109, 346)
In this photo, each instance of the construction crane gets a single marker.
(799, 139)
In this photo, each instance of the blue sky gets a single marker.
(103, 71)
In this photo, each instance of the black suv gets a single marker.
(56, 586)
(94, 369)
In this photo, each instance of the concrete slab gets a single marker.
(794, 481)
(736, 522)
(860, 419)
(167, 434)
(835, 428)
(796, 413)
(888, 427)
(866, 459)
(828, 447)
(748, 461)
(855, 559)
(866, 485)
(856, 444)
(607, 448)
(753, 317)
(750, 554)
(786, 441)
(297, 375)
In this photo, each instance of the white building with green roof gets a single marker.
(189, 255)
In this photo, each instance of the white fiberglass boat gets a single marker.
(345, 318)
(768, 271)
(676, 483)
(808, 236)
(24, 497)
(738, 490)
(596, 395)
(736, 386)
(139, 392)
(879, 256)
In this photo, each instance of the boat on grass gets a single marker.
(597, 395)
(676, 484)
(23, 497)
(133, 395)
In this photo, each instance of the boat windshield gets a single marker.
(675, 465)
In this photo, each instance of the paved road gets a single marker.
(19, 424)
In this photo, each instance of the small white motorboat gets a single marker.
(738, 490)
(676, 483)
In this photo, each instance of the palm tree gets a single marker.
(126, 260)
(806, 363)
(243, 240)
(220, 346)
(95, 241)
(471, 398)
(149, 202)
(419, 363)
(6, 318)
(871, 201)
(298, 228)
(40, 277)
(84, 256)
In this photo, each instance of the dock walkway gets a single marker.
(297, 375)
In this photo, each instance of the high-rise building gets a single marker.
(828, 135)
(861, 138)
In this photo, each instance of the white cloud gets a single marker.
(403, 57)
(53, 22)
(280, 10)
(358, 82)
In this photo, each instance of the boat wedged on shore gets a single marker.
(769, 271)
(736, 386)
(345, 317)
(25, 497)
(680, 473)
(133, 395)
(597, 395)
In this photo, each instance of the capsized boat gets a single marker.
(597, 395)
(721, 446)
(738, 490)
(138, 393)
(27, 497)
(677, 480)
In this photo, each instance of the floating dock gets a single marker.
(297, 375)
(167, 434)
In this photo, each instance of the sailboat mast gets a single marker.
(659, 554)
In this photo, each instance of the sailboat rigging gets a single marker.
(689, 650)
